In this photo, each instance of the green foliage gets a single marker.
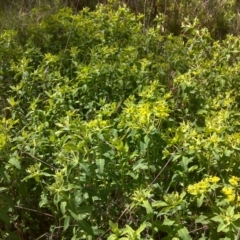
(110, 130)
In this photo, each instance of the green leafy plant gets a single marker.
(111, 129)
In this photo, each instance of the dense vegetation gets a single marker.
(120, 124)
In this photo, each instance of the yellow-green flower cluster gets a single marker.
(232, 139)
(198, 188)
(234, 181)
(223, 101)
(144, 113)
(161, 109)
(148, 91)
(97, 124)
(184, 79)
(213, 179)
(202, 186)
(2, 140)
(229, 192)
(218, 122)
(34, 171)
(188, 136)
(58, 185)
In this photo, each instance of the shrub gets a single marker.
(113, 131)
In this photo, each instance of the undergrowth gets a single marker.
(111, 129)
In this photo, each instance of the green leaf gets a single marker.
(193, 168)
(216, 155)
(202, 219)
(168, 222)
(176, 157)
(223, 227)
(228, 153)
(75, 216)
(147, 206)
(4, 216)
(70, 147)
(201, 112)
(15, 162)
(141, 228)
(85, 227)
(146, 141)
(134, 176)
(85, 168)
(200, 200)
(144, 145)
(236, 216)
(184, 234)
(85, 210)
(74, 237)
(63, 207)
(217, 219)
(230, 211)
(66, 223)
(184, 163)
(11, 101)
(81, 212)
(2, 189)
(46, 174)
(44, 200)
(112, 237)
(139, 165)
(159, 204)
(160, 227)
(114, 227)
(100, 163)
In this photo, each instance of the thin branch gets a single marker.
(32, 210)
(29, 154)
(155, 179)
(42, 236)
(195, 230)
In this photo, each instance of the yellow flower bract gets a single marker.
(202, 186)
(228, 190)
(198, 188)
(234, 181)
